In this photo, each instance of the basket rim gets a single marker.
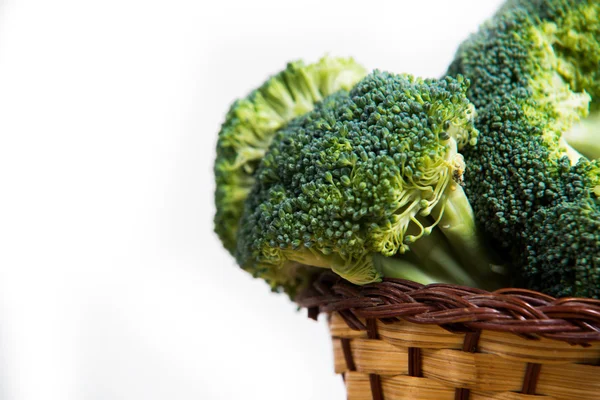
(458, 309)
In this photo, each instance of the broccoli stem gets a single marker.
(585, 136)
(405, 267)
(430, 260)
(570, 151)
(308, 256)
(436, 255)
(457, 223)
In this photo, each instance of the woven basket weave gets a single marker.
(402, 340)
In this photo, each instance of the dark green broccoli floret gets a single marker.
(361, 180)
(251, 123)
(560, 263)
(534, 74)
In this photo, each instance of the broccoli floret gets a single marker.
(251, 123)
(534, 74)
(570, 255)
(368, 184)
(567, 264)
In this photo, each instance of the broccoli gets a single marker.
(251, 123)
(568, 264)
(585, 136)
(368, 184)
(535, 74)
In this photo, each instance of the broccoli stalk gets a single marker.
(410, 268)
(459, 227)
(435, 258)
(585, 136)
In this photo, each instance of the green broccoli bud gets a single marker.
(570, 260)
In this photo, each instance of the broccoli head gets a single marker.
(568, 263)
(534, 71)
(368, 183)
(251, 123)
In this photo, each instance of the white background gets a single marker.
(112, 284)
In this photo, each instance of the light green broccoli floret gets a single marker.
(252, 121)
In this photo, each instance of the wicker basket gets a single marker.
(402, 340)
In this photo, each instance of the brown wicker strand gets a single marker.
(372, 329)
(530, 380)
(313, 313)
(471, 342)
(462, 394)
(375, 382)
(348, 354)
(414, 362)
(374, 379)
